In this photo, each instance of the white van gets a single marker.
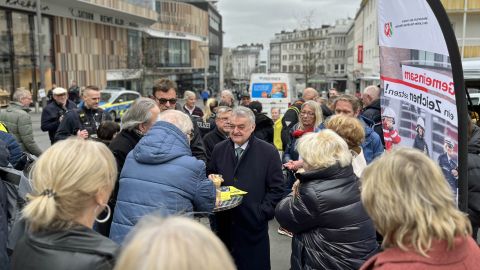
(475, 97)
(274, 90)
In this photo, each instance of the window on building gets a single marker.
(284, 57)
(321, 69)
(290, 68)
(167, 52)
(134, 49)
(284, 69)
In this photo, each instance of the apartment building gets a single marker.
(245, 61)
(366, 64)
(316, 56)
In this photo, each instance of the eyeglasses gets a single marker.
(310, 114)
(164, 100)
(223, 119)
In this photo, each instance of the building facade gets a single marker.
(366, 64)
(124, 43)
(228, 67)
(245, 61)
(176, 46)
(317, 57)
(465, 19)
(80, 40)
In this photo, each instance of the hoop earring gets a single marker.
(109, 212)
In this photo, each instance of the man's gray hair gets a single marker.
(179, 119)
(139, 113)
(244, 112)
(223, 109)
(228, 92)
(373, 91)
(20, 93)
(188, 94)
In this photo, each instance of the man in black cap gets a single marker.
(245, 99)
(54, 112)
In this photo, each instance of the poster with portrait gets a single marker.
(420, 103)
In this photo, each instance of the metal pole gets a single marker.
(40, 53)
(464, 26)
(222, 78)
(205, 76)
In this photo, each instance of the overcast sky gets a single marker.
(256, 21)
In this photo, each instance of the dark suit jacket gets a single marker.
(211, 139)
(244, 229)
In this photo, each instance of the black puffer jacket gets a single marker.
(474, 177)
(79, 248)
(330, 227)
(263, 127)
(373, 113)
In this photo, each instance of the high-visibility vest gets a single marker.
(277, 134)
(3, 127)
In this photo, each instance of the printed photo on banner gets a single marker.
(418, 106)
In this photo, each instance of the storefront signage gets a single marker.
(101, 18)
(55, 9)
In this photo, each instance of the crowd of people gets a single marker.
(129, 195)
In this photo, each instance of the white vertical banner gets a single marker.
(419, 99)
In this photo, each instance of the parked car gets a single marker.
(116, 102)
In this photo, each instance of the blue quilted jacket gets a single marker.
(160, 176)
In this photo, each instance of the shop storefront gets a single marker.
(80, 40)
(18, 52)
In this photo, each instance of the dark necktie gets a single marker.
(238, 152)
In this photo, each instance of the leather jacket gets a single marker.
(75, 249)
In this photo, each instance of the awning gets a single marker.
(174, 35)
(123, 74)
(370, 78)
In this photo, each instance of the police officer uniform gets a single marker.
(75, 120)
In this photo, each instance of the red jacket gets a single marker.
(465, 255)
(390, 137)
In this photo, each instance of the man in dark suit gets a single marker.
(221, 131)
(254, 166)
